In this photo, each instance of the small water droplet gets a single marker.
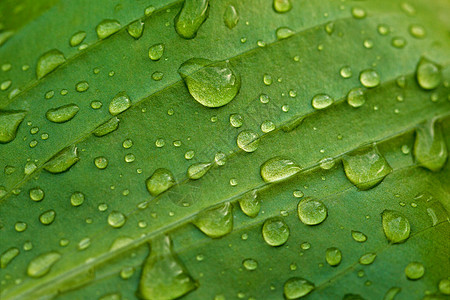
(428, 74)
(41, 265)
(149, 10)
(101, 162)
(417, 31)
(107, 127)
(48, 62)
(120, 103)
(267, 79)
(392, 293)
(160, 181)
(368, 43)
(369, 78)
(358, 13)
(9, 123)
(20, 226)
(212, 84)
(231, 17)
(282, 6)
(444, 286)
(359, 236)
(430, 149)
(249, 204)
(267, 126)
(198, 170)
(367, 258)
(395, 226)
(321, 101)
(414, 270)
(63, 160)
(278, 168)
(77, 38)
(275, 232)
(116, 219)
(398, 42)
(63, 113)
(157, 76)
(250, 264)
(136, 29)
(84, 243)
(37, 194)
(220, 158)
(106, 28)
(236, 120)
(129, 158)
(333, 256)
(329, 28)
(296, 288)
(284, 32)
(77, 198)
(356, 97)
(82, 86)
(47, 217)
(311, 211)
(383, 29)
(264, 98)
(248, 140)
(191, 17)
(5, 85)
(156, 51)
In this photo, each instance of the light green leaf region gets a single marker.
(121, 179)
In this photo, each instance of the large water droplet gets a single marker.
(191, 17)
(42, 264)
(275, 232)
(160, 181)
(120, 103)
(47, 217)
(248, 140)
(8, 256)
(282, 6)
(63, 113)
(215, 222)
(116, 219)
(428, 74)
(48, 62)
(9, 123)
(356, 97)
(106, 28)
(164, 276)
(367, 258)
(369, 78)
(156, 51)
(231, 17)
(198, 170)
(311, 211)
(395, 226)
(444, 286)
(430, 149)
(107, 127)
(77, 38)
(212, 84)
(63, 160)
(414, 270)
(136, 29)
(366, 168)
(249, 204)
(278, 168)
(321, 101)
(333, 256)
(297, 287)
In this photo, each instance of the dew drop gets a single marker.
(63, 160)
(383, 29)
(284, 32)
(191, 17)
(321, 101)
(444, 286)
(29, 168)
(107, 127)
(37, 194)
(84, 244)
(250, 204)
(231, 17)
(250, 264)
(8, 256)
(329, 28)
(160, 181)
(220, 158)
(215, 222)
(369, 78)
(392, 293)
(136, 29)
(156, 51)
(101, 162)
(414, 270)
(5, 85)
(359, 236)
(430, 149)
(248, 140)
(82, 86)
(106, 28)
(129, 158)
(278, 168)
(358, 13)
(212, 84)
(149, 11)
(275, 232)
(267, 126)
(20, 226)
(417, 31)
(41, 265)
(5, 35)
(9, 123)
(77, 38)
(48, 62)
(47, 217)
(120, 103)
(428, 74)
(311, 211)
(395, 226)
(236, 120)
(333, 256)
(297, 287)
(267, 79)
(198, 170)
(282, 6)
(63, 113)
(398, 42)
(96, 104)
(367, 258)
(356, 97)
(366, 167)
(116, 219)
(77, 198)
(264, 98)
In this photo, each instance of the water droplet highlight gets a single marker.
(107, 127)
(77, 38)
(356, 97)
(282, 6)
(198, 170)
(284, 32)
(8, 256)
(116, 219)
(367, 258)
(359, 236)
(47, 218)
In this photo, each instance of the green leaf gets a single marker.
(201, 149)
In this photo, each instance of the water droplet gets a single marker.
(157, 76)
(77, 198)
(116, 219)
(249, 204)
(366, 167)
(395, 226)
(96, 104)
(84, 244)
(47, 217)
(358, 13)
(444, 286)
(333, 256)
(82, 86)
(136, 29)
(282, 6)
(48, 62)
(191, 17)
(359, 236)
(63, 160)
(321, 101)
(275, 232)
(430, 149)
(129, 158)
(107, 127)
(392, 293)
(101, 162)
(329, 28)
(414, 270)
(383, 29)
(5, 85)
(231, 17)
(212, 84)
(356, 97)
(160, 181)
(9, 123)
(267, 79)
(311, 211)
(284, 32)
(149, 11)
(29, 168)
(368, 44)
(215, 222)
(346, 72)
(417, 31)
(367, 258)
(20, 226)
(42, 264)
(220, 158)
(327, 163)
(63, 113)
(369, 78)
(120, 103)
(164, 275)
(5, 35)
(278, 168)
(267, 126)
(156, 51)
(428, 74)
(37, 194)
(236, 120)
(250, 264)
(264, 98)
(8, 256)
(198, 170)
(106, 28)
(248, 140)
(77, 38)
(297, 287)
(398, 42)
(305, 245)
